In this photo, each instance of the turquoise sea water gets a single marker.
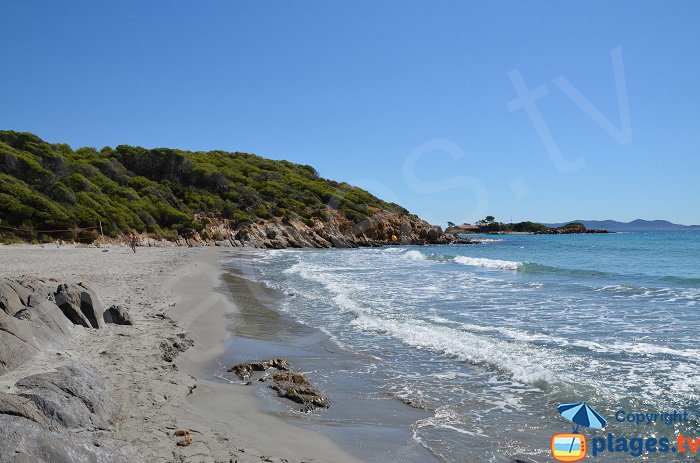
(489, 338)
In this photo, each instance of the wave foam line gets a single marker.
(488, 263)
(511, 359)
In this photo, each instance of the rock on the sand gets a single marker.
(25, 441)
(118, 315)
(11, 404)
(73, 397)
(10, 302)
(56, 416)
(80, 304)
(17, 344)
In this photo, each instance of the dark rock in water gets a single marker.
(288, 384)
(73, 397)
(295, 387)
(245, 370)
(80, 304)
(117, 315)
(24, 441)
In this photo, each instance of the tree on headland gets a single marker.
(487, 221)
(490, 225)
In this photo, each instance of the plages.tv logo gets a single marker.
(572, 446)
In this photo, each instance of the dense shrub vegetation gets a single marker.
(490, 225)
(51, 186)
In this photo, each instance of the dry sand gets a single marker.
(171, 293)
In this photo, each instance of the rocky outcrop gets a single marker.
(73, 396)
(80, 305)
(297, 388)
(117, 315)
(10, 302)
(24, 440)
(288, 384)
(246, 369)
(29, 322)
(14, 405)
(379, 229)
(54, 416)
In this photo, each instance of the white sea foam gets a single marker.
(651, 349)
(447, 418)
(513, 359)
(488, 263)
(487, 240)
(414, 255)
(638, 348)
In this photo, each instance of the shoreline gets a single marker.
(233, 405)
(149, 369)
(367, 421)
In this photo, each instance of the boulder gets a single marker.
(25, 441)
(22, 292)
(17, 342)
(39, 290)
(11, 404)
(73, 396)
(80, 304)
(117, 315)
(50, 323)
(295, 387)
(10, 302)
(246, 369)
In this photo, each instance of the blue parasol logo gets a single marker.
(572, 447)
(581, 414)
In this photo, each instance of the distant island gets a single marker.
(635, 225)
(491, 225)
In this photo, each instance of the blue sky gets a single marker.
(408, 99)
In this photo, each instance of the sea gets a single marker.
(478, 344)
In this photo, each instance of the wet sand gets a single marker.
(171, 294)
(363, 420)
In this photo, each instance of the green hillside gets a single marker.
(47, 186)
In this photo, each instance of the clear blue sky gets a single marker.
(354, 88)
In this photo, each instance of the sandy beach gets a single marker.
(160, 382)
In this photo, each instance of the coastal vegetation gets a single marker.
(490, 225)
(51, 191)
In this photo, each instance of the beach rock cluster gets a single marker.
(297, 388)
(38, 314)
(118, 315)
(56, 415)
(246, 369)
(379, 229)
(289, 384)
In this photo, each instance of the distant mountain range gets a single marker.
(635, 225)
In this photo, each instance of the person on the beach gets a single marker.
(133, 240)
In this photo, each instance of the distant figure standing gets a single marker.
(133, 240)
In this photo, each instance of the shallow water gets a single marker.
(489, 338)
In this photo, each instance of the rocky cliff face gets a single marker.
(382, 228)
